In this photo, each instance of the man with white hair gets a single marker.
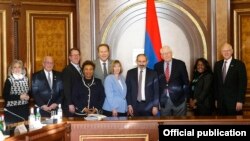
(47, 87)
(230, 78)
(173, 82)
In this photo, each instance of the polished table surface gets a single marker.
(173, 119)
(77, 128)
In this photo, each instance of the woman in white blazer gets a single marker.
(115, 103)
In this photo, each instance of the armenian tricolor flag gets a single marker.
(152, 35)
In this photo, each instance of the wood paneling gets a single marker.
(31, 36)
(115, 130)
(55, 132)
(121, 128)
(48, 33)
(113, 127)
(240, 34)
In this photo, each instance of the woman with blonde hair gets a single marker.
(15, 93)
(115, 103)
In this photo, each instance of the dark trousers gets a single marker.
(142, 109)
(223, 111)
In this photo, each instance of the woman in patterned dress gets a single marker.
(15, 93)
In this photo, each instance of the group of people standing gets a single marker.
(223, 90)
(98, 86)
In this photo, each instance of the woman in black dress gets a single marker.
(201, 100)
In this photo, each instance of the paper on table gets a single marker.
(95, 117)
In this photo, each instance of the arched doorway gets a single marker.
(180, 28)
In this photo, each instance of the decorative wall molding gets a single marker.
(100, 130)
(116, 137)
(48, 33)
(194, 40)
(3, 50)
(165, 9)
(242, 38)
(16, 13)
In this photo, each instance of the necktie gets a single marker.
(49, 80)
(224, 71)
(80, 71)
(104, 70)
(139, 95)
(167, 72)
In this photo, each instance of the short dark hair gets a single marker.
(88, 62)
(142, 54)
(72, 49)
(105, 45)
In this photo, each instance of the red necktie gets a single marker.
(167, 72)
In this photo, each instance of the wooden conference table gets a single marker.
(120, 129)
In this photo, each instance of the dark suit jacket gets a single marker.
(71, 77)
(178, 85)
(41, 91)
(151, 89)
(80, 95)
(234, 88)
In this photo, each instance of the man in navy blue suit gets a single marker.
(230, 79)
(47, 87)
(142, 90)
(174, 84)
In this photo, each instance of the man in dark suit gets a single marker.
(173, 82)
(142, 89)
(72, 74)
(230, 83)
(103, 62)
(47, 87)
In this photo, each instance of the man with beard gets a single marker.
(142, 89)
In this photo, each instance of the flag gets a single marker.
(152, 35)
